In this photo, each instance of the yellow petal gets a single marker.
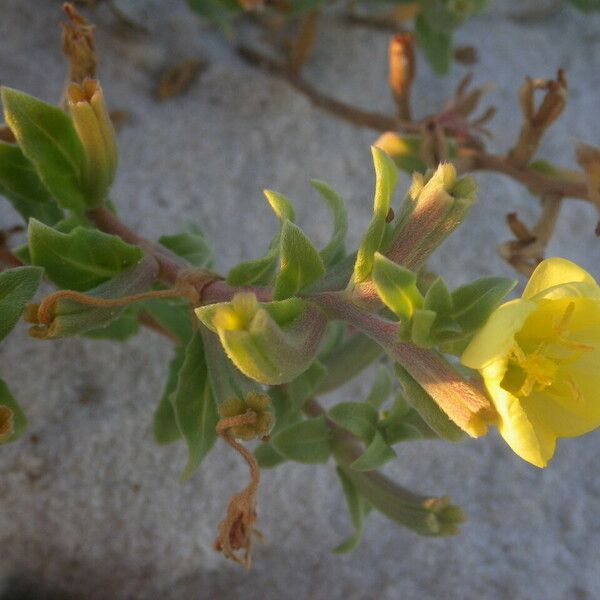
(556, 271)
(527, 436)
(496, 338)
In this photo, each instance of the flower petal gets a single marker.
(556, 271)
(496, 338)
(527, 436)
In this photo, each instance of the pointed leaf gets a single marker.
(48, 139)
(194, 405)
(437, 45)
(357, 417)
(376, 454)
(438, 298)
(189, 245)
(305, 442)
(122, 328)
(381, 389)
(396, 287)
(17, 287)
(81, 259)
(358, 508)
(422, 323)
(385, 182)
(300, 263)
(335, 248)
(164, 425)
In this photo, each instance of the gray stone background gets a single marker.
(90, 507)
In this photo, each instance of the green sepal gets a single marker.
(20, 184)
(474, 302)
(48, 139)
(396, 287)
(194, 405)
(358, 418)
(300, 263)
(190, 245)
(431, 413)
(17, 417)
(385, 182)
(307, 442)
(421, 328)
(164, 423)
(438, 298)
(358, 508)
(81, 259)
(17, 287)
(334, 250)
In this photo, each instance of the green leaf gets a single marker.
(82, 259)
(586, 5)
(381, 389)
(260, 271)
(172, 314)
(190, 245)
(300, 263)
(122, 328)
(431, 413)
(437, 45)
(305, 442)
(334, 250)
(219, 12)
(305, 386)
(164, 424)
(396, 287)
(21, 185)
(17, 287)
(48, 139)
(194, 405)
(357, 417)
(267, 457)
(438, 298)
(358, 508)
(385, 182)
(421, 326)
(377, 453)
(474, 302)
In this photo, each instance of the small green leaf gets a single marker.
(381, 389)
(474, 302)
(376, 454)
(396, 287)
(438, 298)
(334, 250)
(305, 386)
(82, 259)
(358, 508)
(190, 245)
(436, 44)
(219, 12)
(48, 139)
(164, 425)
(385, 181)
(20, 183)
(17, 420)
(172, 314)
(357, 417)
(586, 5)
(17, 287)
(300, 264)
(194, 405)
(305, 442)
(280, 205)
(267, 457)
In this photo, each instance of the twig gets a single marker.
(303, 42)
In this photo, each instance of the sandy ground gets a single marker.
(91, 508)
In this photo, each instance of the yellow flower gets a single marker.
(539, 357)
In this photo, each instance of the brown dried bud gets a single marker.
(78, 45)
(255, 402)
(401, 60)
(588, 158)
(7, 423)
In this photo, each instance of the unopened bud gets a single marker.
(401, 60)
(95, 130)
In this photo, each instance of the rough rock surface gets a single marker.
(91, 508)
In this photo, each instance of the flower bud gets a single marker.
(434, 207)
(258, 403)
(7, 423)
(97, 135)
